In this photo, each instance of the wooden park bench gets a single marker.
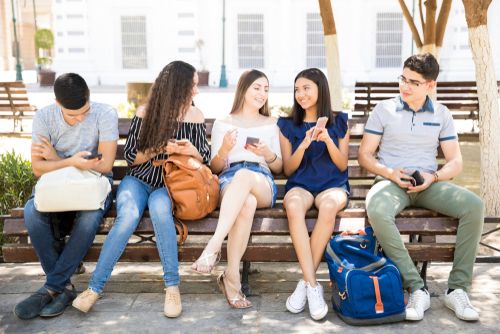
(269, 241)
(14, 103)
(459, 96)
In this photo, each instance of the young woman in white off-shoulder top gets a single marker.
(246, 178)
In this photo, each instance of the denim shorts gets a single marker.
(227, 176)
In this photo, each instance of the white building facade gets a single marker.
(112, 42)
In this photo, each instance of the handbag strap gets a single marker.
(182, 230)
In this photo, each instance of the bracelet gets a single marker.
(272, 160)
(436, 176)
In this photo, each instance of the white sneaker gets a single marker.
(459, 302)
(296, 302)
(418, 302)
(317, 306)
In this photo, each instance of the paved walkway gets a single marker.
(133, 303)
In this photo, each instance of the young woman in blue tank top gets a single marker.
(317, 175)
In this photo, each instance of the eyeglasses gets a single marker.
(410, 83)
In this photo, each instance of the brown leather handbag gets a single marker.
(193, 188)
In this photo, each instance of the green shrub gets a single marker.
(16, 183)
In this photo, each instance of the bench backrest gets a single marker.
(14, 97)
(359, 177)
(460, 96)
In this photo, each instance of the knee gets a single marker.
(243, 177)
(294, 206)
(377, 210)
(31, 214)
(474, 206)
(330, 207)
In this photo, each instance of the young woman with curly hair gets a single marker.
(169, 114)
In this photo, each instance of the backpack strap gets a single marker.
(379, 306)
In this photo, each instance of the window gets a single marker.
(134, 48)
(185, 32)
(74, 16)
(389, 40)
(315, 56)
(251, 40)
(75, 33)
(76, 50)
(185, 15)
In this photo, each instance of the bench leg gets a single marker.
(423, 273)
(245, 286)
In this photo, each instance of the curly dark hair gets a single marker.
(324, 106)
(168, 101)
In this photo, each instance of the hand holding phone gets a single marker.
(320, 124)
(251, 141)
(417, 178)
(97, 156)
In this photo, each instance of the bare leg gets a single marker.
(296, 202)
(237, 242)
(244, 183)
(328, 202)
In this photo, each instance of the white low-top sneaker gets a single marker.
(296, 302)
(317, 306)
(418, 302)
(459, 302)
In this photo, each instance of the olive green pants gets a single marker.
(386, 199)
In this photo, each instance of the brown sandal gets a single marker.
(232, 301)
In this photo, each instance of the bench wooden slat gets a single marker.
(256, 252)
(274, 222)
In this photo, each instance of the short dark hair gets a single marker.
(71, 91)
(425, 64)
(324, 106)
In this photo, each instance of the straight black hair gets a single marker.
(71, 91)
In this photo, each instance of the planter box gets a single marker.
(203, 78)
(46, 77)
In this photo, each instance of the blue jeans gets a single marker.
(59, 268)
(131, 200)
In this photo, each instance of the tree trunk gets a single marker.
(444, 13)
(332, 54)
(476, 12)
(411, 24)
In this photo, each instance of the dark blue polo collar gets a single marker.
(402, 105)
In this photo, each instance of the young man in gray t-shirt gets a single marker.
(408, 130)
(63, 135)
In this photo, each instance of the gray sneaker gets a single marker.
(59, 304)
(32, 306)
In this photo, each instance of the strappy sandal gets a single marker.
(204, 261)
(240, 297)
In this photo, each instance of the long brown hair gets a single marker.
(247, 79)
(168, 102)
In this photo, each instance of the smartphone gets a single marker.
(251, 141)
(418, 179)
(93, 156)
(320, 124)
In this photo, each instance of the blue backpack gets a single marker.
(366, 286)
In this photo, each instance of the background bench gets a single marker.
(423, 230)
(14, 103)
(459, 96)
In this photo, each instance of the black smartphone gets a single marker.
(418, 179)
(93, 156)
(251, 141)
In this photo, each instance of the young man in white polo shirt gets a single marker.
(408, 130)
